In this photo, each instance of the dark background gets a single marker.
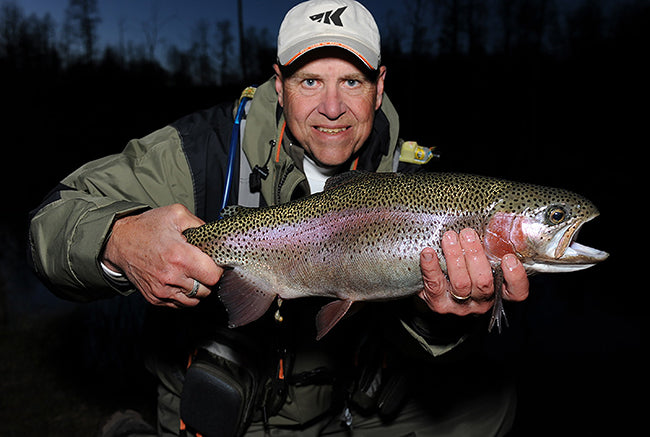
(520, 91)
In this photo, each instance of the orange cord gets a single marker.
(277, 153)
(281, 369)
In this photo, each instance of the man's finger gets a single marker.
(515, 278)
(478, 266)
(459, 278)
(185, 297)
(434, 279)
(200, 266)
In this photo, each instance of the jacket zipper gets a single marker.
(281, 182)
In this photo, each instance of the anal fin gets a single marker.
(329, 315)
(244, 300)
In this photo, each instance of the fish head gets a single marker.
(540, 225)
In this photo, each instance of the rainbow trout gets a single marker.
(361, 238)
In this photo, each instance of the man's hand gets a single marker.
(151, 251)
(470, 287)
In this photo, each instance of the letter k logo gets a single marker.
(330, 17)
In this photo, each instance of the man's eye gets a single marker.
(309, 82)
(352, 83)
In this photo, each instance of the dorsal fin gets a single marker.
(233, 210)
(345, 178)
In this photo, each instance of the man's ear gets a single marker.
(278, 84)
(380, 86)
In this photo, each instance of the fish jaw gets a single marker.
(564, 254)
(520, 235)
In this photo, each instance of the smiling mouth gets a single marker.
(331, 131)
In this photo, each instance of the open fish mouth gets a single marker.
(571, 255)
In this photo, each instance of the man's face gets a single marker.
(329, 105)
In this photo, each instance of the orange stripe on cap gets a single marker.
(330, 44)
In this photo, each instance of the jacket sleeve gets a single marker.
(68, 231)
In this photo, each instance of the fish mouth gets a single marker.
(570, 255)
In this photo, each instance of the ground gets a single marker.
(68, 367)
(52, 386)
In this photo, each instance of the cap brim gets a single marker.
(365, 54)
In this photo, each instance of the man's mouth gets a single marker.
(331, 131)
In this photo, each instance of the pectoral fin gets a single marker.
(498, 312)
(329, 315)
(244, 300)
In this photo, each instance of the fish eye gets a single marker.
(556, 215)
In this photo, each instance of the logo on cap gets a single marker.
(329, 17)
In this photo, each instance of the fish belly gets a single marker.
(362, 254)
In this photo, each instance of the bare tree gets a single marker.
(151, 29)
(121, 49)
(11, 17)
(180, 65)
(527, 24)
(475, 26)
(506, 13)
(393, 34)
(82, 19)
(224, 46)
(415, 9)
(450, 31)
(26, 42)
(204, 70)
(260, 54)
(242, 39)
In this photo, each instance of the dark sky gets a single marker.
(178, 18)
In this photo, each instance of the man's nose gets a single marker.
(332, 105)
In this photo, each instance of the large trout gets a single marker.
(361, 238)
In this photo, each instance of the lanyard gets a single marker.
(234, 145)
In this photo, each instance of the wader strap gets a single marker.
(245, 197)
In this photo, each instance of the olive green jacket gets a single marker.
(68, 231)
(184, 162)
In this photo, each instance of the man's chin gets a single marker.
(327, 160)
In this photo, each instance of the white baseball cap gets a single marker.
(329, 23)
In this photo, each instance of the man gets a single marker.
(115, 226)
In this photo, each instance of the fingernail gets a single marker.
(451, 237)
(511, 262)
(469, 235)
(427, 256)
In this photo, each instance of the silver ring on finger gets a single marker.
(194, 289)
